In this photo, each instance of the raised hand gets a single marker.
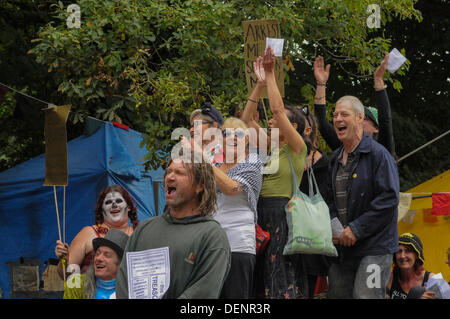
(379, 72)
(268, 61)
(321, 72)
(259, 70)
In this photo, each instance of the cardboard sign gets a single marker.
(56, 145)
(255, 34)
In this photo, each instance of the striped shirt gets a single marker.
(342, 181)
(237, 214)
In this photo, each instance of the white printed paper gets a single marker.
(148, 273)
(336, 227)
(276, 45)
(396, 59)
(438, 284)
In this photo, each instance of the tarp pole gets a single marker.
(424, 145)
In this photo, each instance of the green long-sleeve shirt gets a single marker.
(199, 255)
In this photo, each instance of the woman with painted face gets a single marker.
(408, 269)
(114, 207)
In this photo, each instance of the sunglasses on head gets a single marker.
(202, 122)
(233, 132)
(305, 111)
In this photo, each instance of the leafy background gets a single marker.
(148, 64)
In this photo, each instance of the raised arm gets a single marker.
(386, 134)
(285, 126)
(252, 104)
(321, 74)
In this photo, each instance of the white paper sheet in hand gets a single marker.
(276, 45)
(148, 273)
(396, 59)
(336, 227)
(438, 284)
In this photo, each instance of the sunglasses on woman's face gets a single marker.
(233, 132)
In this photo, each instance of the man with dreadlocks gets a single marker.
(199, 252)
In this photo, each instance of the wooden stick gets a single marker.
(59, 231)
(57, 213)
(64, 215)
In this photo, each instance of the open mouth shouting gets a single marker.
(170, 191)
(341, 129)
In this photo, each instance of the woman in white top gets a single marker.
(238, 180)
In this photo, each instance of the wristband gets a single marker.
(321, 84)
(380, 87)
(251, 100)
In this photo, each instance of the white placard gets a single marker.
(396, 59)
(148, 273)
(276, 45)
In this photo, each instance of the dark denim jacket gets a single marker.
(373, 196)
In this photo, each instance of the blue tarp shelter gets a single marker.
(28, 222)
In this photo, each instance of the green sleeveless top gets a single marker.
(279, 182)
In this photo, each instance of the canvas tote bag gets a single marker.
(308, 220)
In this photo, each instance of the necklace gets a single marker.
(103, 229)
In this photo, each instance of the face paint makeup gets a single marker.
(114, 207)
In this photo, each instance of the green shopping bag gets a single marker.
(308, 220)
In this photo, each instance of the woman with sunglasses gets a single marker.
(238, 179)
(277, 276)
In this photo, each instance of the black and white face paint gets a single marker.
(114, 207)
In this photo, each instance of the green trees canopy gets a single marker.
(149, 63)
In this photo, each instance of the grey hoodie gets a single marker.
(198, 249)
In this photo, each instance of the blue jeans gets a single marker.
(359, 277)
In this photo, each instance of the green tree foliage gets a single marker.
(150, 63)
(418, 97)
(21, 136)
(421, 111)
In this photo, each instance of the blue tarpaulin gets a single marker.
(28, 222)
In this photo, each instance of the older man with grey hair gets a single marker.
(364, 187)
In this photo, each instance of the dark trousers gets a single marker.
(278, 276)
(239, 282)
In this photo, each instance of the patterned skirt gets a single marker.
(278, 276)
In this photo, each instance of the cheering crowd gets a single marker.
(226, 182)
